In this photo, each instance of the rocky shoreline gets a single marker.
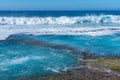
(91, 69)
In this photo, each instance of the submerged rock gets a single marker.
(83, 73)
(112, 64)
(93, 69)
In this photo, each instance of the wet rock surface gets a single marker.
(83, 73)
(90, 70)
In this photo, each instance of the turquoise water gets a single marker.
(19, 60)
(38, 43)
(97, 45)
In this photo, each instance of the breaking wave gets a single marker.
(60, 20)
(36, 30)
(63, 25)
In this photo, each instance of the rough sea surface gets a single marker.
(37, 43)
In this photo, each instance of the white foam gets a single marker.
(6, 31)
(38, 57)
(53, 69)
(59, 20)
(19, 60)
(25, 59)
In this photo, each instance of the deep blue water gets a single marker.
(37, 43)
(57, 13)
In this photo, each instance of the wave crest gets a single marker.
(59, 20)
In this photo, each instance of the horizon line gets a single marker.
(67, 10)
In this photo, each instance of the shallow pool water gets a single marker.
(21, 56)
(19, 60)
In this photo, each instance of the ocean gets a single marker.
(38, 43)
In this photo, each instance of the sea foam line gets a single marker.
(91, 31)
(60, 20)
